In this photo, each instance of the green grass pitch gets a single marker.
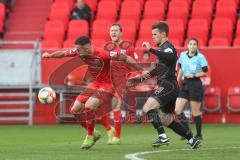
(62, 142)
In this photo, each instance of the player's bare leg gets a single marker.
(180, 104)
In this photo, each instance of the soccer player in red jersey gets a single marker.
(99, 92)
(123, 48)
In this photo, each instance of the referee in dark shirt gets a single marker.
(166, 93)
(191, 63)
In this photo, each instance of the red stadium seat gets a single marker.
(176, 42)
(165, 2)
(201, 2)
(129, 29)
(236, 42)
(117, 2)
(54, 30)
(50, 44)
(226, 9)
(180, 3)
(219, 42)
(212, 99)
(177, 29)
(154, 10)
(233, 99)
(141, 2)
(100, 29)
(178, 9)
(69, 2)
(145, 31)
(98, 43)
(202, 9)
(185, 1)
(69, 44)
(230, 3)
(222, 28)
(2, 11)
(198, 28)
(1, 25)
(63, 6)
(131, 10)
(60, 11)
(107, 10)
(77, 28)
(92, 4)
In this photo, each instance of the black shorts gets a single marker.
(166, 95)
(192, 90)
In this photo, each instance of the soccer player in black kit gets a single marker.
(164, 97)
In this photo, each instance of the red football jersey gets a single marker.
(130, 52)
(98, 64)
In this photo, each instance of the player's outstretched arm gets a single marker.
(128, 59)
(136, 80)
(136, 65)
(56, 54)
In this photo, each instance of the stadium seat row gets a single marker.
(199, 25)
(212, 99)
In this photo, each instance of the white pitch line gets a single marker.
(134, 156)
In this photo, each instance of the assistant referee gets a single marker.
(193, 65)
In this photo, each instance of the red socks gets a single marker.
(117, 123)
(90, 122)
(105, 121)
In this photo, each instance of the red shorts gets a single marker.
(103, 91)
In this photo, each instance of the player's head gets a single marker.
(160, 32)
(146, 56)
(115, 32)
(192, 45)
(83, 44)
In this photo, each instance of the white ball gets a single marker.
(46, 95)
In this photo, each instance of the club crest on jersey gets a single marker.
(168, 50)
(97, 62)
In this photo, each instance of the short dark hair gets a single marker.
(161, 26)
(82, 40)
(193, 39)
(119, 25)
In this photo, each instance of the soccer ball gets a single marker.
(46, 95)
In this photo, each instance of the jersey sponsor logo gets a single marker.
(158, 90)
(97, 61)
(113, 53)
(123, 51)
(135, 55)
(168, 50)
